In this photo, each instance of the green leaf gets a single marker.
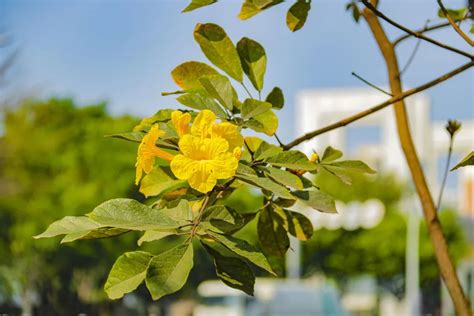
(130, 214)
(455, 14)
(169, 271)
(244, 169)
(196, 4)
(252, 107)
(317, 200)
(251, 8)
(266, 122)
(243, 249)
(276, 98)
(266, 184)
(284, 177)
(219, 49)
(467, 161)
(127, 273)
(187, 74)
(160, 116)
(222, 219)
(292, 159)
(350, 165)
(158, 181)
(254, 61)
(266, 150)
(131, 136)
(201, 101)
(295, 223)
(219, 87)
(69, 225)
(272, 236)
(297, 14)
(472, 29)
(103, 232)
(152, 235)
(331, 154)
(233, 271)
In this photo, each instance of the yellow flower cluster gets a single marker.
(208, 150)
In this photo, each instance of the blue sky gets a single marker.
(123, 51)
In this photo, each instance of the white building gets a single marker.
(374, 139)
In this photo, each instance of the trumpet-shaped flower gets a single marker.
(181, 122)
(148, 151)
(229, 132)
(203, 123)
(203, 161)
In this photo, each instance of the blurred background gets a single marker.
(73, 71)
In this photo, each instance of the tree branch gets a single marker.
(376, 12)
(445, 263)
(378, 107)
(426, 30)
(454, 25)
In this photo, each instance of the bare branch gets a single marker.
(377, 107)
(454, 25)
(418, 35)
(371, 84)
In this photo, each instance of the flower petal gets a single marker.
(229, 132)
(181, 122)
(183, 167)
(203, 179)
(202, 123)
(223, 166)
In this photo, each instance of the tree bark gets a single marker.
(440, 246)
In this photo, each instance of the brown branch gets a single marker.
(445, 263)
(377, 107)
(454, 25)
(376, 12)
(426, 30)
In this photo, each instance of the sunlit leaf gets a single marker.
(219, 49)
(152, 235)
(254, 61)
(158, 181)
(467, 161)
(266, 122)
(284, 177)
(196, 4)
(317, 200)
(251, 8)
(331, 154)
(295, 223)
(297, 14)
(252, 107)
(187, 74)
(127, 273)
(201, 101)
(266, 184)
(271, 234)
(168, 271)
(219, 87)
(292, 159)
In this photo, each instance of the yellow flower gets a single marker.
(203, 162)
(229, 132)
(147, 152)
(203, 123)
(181, 122)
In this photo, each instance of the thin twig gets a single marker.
(445, 176)
(278, 140)
(377, 107)
(371, 84)
(425, 30)
(454, 25)
(247, 90)
(197, 221)
(172, 92)
(418, 35)
(411, 58)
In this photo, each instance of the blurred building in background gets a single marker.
(374, 140)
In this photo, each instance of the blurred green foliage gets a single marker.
(55, 161)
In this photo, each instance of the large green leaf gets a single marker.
(295, 223)
(187, 74)
(233, 271)
(266, 184)
(70, 225)
(130, 214)
(131, 136)
(292, 159)
(168, 271)
(317, 200)
(219, 49)
(127, 273)
(331, 154)
(152, 235)
(276, 98)
(243, 249)
(297, 14)
(254, 7)
(254, 61)
(219, 87)
(222, 218)
(200, 100)
(196, 4)
(253, 107)
(104, 232)
(284, 177)
(271, 234)
(467, 161)
(158, 181)
(266, 150)
(266, 122)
